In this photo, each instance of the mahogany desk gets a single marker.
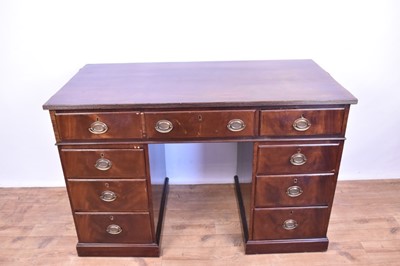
(288, 119)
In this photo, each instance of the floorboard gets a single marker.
(36, 228)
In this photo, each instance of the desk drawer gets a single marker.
(300, 122)
(103, 163)
(297, 158)
(108, 195)
(289, 223)
(114, 227)
(200, 124)
(100, 125)
(294, 190)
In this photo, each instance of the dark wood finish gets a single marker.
(317, 189)
(287, 245)
(54, 124)
(124, 102)
(163, 203)
(130, 195)
(275, 158)
(242, 210)
(121, 125)
(91, 227)
(312, 223)
(201, 124)
(280, 122)
(126, 163)
(197, 84)
(118, 250)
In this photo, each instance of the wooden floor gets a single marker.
(202, 228)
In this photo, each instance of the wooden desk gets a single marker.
(288, 118)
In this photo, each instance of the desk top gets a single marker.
(200, 84)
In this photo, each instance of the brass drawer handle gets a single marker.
(103, 164)
(301, 124)
(294, 191)
(289, 224)
(298, 159)
(114, 229)
(164, 126)
(108, 196)
(98, 128)
(236, 125)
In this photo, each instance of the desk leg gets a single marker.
(162, 210)
(241, 209)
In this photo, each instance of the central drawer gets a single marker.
(200, 124)
(108, 195)
(103, 163)
(114, 227)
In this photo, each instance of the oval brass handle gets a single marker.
(301, 124)
(114, 229)
(108, 196)
(164, 126)
(98, 128)
(103, 164)
(290, 224)
(236, 125)
(298, 159)
(294, 191)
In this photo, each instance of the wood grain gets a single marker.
(200, 84)
(36, 228)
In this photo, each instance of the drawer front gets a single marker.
(297, 158)
(294, 190)
(103, 163)
(114, 228)
(290, 223)
(108, 195)
(302, 122)
(102, 125)
(200, 124)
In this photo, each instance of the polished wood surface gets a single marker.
(275, 158)
(272, 191)
(200, 84)
(128, 195)
(280, 122)
(202, 124)
(135, 227)
(74, 126)
(125, 163)
(311, 222)
(292, 112)
(36, 228)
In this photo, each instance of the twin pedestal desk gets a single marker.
(288, 119)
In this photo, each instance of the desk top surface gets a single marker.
(200, 84)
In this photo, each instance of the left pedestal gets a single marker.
(109, 187)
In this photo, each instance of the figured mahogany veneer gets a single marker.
(125, 163)
(108, 195)
(305, 189)
(135, 227)
(202, 124)
(275, 158)
(280, 122)
(288, 117)
(120, 125)
(310, 223)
